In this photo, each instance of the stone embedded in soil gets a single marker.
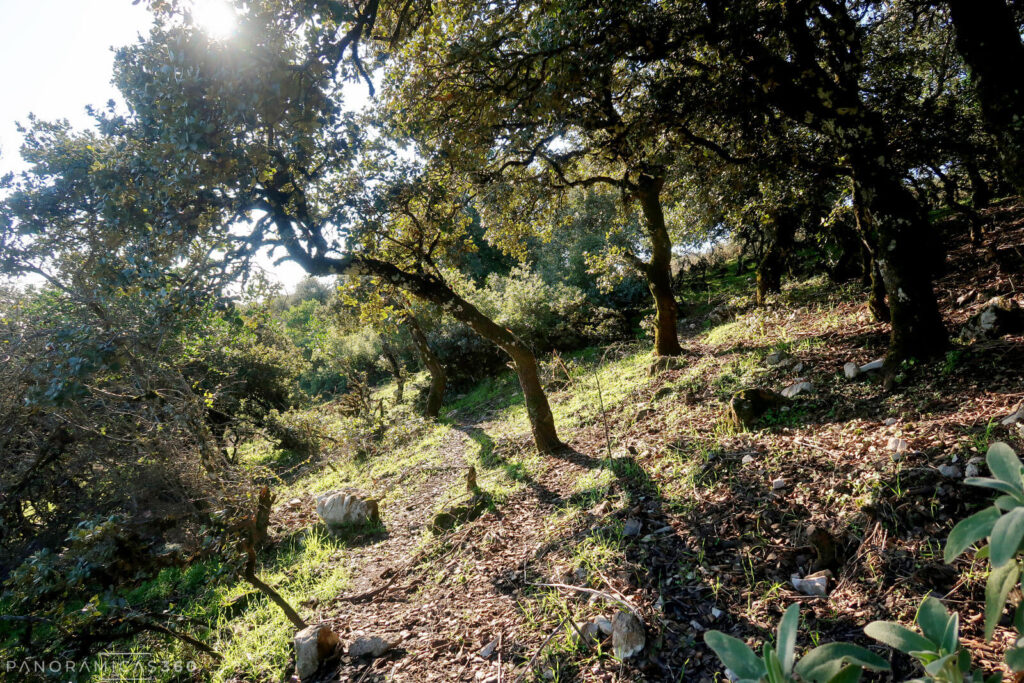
(776, 358)
(851, 370)
(339, 509)
(1015, 417)
(873, 365)
(488, 650)
(813, 584)
(749, 405)
(631, 527)
(313, 644)
(374, 647)
(602, 508)
(897, 445)
(779, 483)
(973, 468)
(628, 637)
(797, 389)
(1000, 316)
(747, 459)
(605, 625)
(949, 471)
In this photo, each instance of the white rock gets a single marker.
(716, 613)
(949, 471)
(890, 421)
(487, 651)
(1014, 417)
(797, 389)
(631, 527)
(851, 370)
(813, 584)
(873, 365)
(798, 368)
(747, 459)
(898, 445)
(605, 625)
(628, 636)
(338, 508)
(973, 468)
(374, 647)
(312, 645)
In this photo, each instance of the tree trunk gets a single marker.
(396, 370)
(659, 268)
(989, 40)
(769, 269)
(433, 289)
(903, 250)
(438, 376)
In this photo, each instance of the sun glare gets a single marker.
(216, 17)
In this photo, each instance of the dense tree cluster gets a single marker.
(525, 172)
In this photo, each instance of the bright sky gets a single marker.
(56, 58)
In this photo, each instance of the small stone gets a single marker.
(374, 647)
(778, 484)
(747, 459)
(890, 421)
(488, 650)
(1015, 417)
(973, 468)
(591, 633)
(632, 527)
(873, 365)
(605, 625)
(716, 613)
(602, 508)
(313, 644)
(294, 503)
(749, 405)
(851, 370)
(628, 636)
(949, 471)
(776, 357)
(797, 389)
(1000, 316)
(664, 392)
(813, 584)
(897, 445)
(643, 412)
(338, 509)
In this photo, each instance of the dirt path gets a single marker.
(440, 607)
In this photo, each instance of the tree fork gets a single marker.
(438, 376)
(434, 290)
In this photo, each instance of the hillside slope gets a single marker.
(660, 503)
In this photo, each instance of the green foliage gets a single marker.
(829, 663)
(936, 647)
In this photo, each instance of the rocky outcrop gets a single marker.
(1000, 316)
(749, 405)
(313, 644)
(340, 509)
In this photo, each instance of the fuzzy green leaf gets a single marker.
(1007, 533)
(899, 637)
(786, 638)
(1000, 582)
(969, 531)
(827, 661)
(735, 655)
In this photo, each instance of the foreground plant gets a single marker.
(1003, 525)
(936, 647)
(830, 663)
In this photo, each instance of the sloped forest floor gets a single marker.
(658, 503)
